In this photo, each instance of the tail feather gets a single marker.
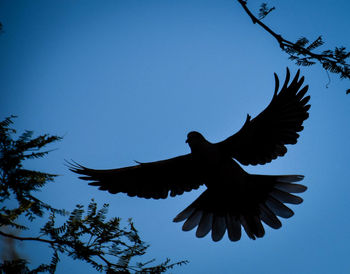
(278, 208)
(193, 220)
(252, 226)
(262, 200)
(285, 197)
(205, 224)
(219, 228)
(287, 178)
(233, 227)
(183, 215)
(291, 188)
(268, 217)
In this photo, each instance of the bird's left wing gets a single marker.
(146, 180)
(263, 138)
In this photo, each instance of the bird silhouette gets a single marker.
(233, 198)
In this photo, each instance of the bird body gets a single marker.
(233, 198)
(208, 157)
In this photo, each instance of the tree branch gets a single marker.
(52, 243)
(55, 242)
(282, 42)
(27, 238)
(333, 61)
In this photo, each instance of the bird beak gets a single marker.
(186, 141)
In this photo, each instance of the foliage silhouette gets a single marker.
(86, 235)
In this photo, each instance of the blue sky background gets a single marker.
(127, 80)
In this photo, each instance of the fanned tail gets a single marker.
(262, 198)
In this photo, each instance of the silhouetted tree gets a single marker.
(86, 235)
(302, 52)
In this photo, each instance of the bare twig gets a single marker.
(282, 42)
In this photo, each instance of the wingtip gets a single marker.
(277, 84)
(74, 166)
(287, 71)
(286, 81)
(296, 82)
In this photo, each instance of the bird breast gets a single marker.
(220, 170)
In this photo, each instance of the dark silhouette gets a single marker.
(303, 52)
(233, 197)
(86, 234)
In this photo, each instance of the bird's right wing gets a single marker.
(146, 180)
(265, 137)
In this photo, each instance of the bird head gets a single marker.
(195, 139)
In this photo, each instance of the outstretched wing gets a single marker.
(146, 180)
(263, 138)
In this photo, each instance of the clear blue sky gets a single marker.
(126, 80)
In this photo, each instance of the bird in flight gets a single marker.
(233, 198)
